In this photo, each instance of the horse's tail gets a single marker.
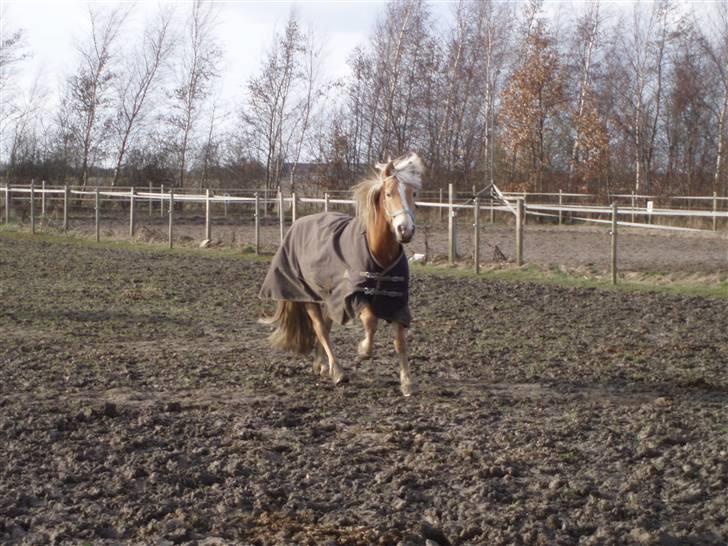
(294, 330)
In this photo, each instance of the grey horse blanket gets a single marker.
(325, 259)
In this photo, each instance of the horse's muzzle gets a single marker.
(405, 234)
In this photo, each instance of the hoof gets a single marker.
(339, 377)
(363, 352)
(408, 389)
(320, 368)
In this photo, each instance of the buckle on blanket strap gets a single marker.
(380, 277)
(379, 292)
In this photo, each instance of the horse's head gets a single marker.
(400, 181)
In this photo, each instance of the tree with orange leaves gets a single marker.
(531, 101)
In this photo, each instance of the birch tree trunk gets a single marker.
(720, 145)
(585, 84)
(661, 10)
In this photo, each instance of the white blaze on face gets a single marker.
(404, 223)
(407, 170)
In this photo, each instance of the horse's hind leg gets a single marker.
(320, 363)
(369, 320)
(406, 384)
(322, 326)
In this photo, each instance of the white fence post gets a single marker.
(450, 226)
(613, 267)
(476, 238)
(439, 209)
(171, 216)
(520, 213)
(208, 230)
(65, 209)
(161, 200)
(281, 214)
(32, 206)
(43, 199)
(715, 211)
(131, 213)
(7, 203)
(98, 214)
(634, 203)
(257, 224)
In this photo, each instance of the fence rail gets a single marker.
(516, 204)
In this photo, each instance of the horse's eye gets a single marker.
(388, 194)
(414, 194)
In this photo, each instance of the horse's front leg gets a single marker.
(320, 364)
(369, 320)
(322, 327)
(406, 384)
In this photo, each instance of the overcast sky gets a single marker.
(245, 30)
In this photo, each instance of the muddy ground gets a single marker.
(140, 405)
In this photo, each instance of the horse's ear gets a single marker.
(386, 169)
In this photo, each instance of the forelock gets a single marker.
(409, 169)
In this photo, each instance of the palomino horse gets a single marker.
(332, 267)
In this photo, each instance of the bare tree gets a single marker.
(452, 80)
(360, 95)
(13, 51)
(715, 43)
(210, 152)
(644, 49)
(134, 85)
(312, 91)
(23, 125)
(89, 86)
(398, 45)
(268, 107)
(497, 27)
(197, 70)
(476, 58)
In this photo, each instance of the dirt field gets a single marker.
(140, 405)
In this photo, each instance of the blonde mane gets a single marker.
(407, 169)
(365, 197)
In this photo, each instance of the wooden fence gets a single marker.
(518, 205)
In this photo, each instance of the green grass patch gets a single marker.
(653, 282)
(244, 252)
